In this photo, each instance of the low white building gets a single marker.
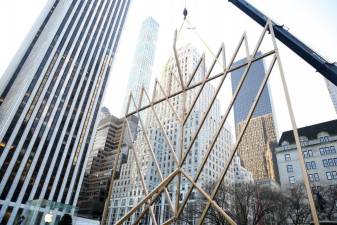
(319, 143)
(241, 174)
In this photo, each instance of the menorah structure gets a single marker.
(176, 205)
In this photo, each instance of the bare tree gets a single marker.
(326, 202)
(298, 211)
(251, 204)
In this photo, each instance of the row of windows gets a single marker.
(310, 165)
(312, 177)
(329, 162)
(331, 175)
(315, 177)
(309, 153)
(327, 150)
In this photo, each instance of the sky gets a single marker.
(217, 22)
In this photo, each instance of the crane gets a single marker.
(327, 69)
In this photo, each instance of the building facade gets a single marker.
(50, 99)
(242, 175)
(128, 190)
(249, 90)
(141, 71)
(319, 144)
(256, 149)
(101, 161)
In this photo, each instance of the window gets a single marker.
(331, 162)
(305, 154)
(311, 165)
(328, 175)
(334, 175)
(332, 149)
(324, 139)
(292, 180)
(310, 153)
(290, 168)
(321, 150)
(287, 157)
(316, 177)
(327, 150)
(311, 177)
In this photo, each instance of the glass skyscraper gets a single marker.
(249, 90)
(256, 148)
(141, 71)
(50, 97)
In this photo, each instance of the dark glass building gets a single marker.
(249, 90)
(256, 148)
(50, 97)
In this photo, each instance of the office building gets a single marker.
(50, 99)
(248, 91)
(319, 143)
(101, 161)
(256, 149)
(128, 190)
(141, 71)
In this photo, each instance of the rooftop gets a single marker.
(310, 131)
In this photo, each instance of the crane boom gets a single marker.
(327, 69)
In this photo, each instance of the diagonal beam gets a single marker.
(177, 61)
(209, 199)
(203, 84)
(201, 59)
(195, 135)
(225, 117)
(140, 171)
(233, 152)
(169, 221)
(294, 126)
(154, 157)
(138, 219)
(162, 129)
(167, 99)
(107, 200)
(154, 192)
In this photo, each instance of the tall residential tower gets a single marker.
(50, 97)
(141, 71)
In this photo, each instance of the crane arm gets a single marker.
(327, 69)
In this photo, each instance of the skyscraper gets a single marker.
(128, 189)
(257, 145)
(249, 90)
(50, 99)
(141, 71)
(101, 161)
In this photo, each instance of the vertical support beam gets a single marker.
(232, 154)
(295, 131)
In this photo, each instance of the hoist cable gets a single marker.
(205, 44)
